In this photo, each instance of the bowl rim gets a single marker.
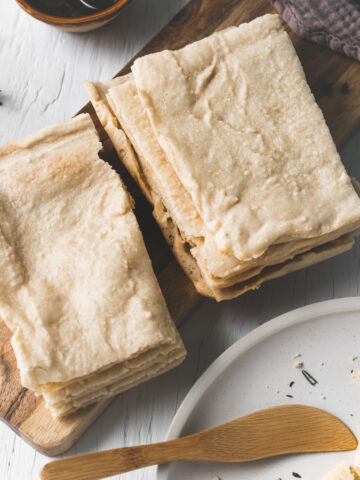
(102, 15)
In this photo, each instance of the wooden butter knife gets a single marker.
(266, 433)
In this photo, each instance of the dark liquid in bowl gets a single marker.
(69, 8)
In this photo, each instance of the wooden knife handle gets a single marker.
(95, 466)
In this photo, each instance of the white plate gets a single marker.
(256, 372)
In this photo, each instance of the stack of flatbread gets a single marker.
(227, 142)
(76, 283)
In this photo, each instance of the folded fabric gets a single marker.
(77, 286)
(227, 142)
(332, 23)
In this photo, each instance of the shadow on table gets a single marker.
(131, 28)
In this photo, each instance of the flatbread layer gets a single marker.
(77, 285)
(122, 377)
(205, 286)
(254, 164)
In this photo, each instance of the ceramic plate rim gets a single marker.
(245, 343)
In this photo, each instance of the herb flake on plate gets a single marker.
(309, 377)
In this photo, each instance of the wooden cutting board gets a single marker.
(335, 81)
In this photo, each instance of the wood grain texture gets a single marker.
(266, 433)
(335, 81)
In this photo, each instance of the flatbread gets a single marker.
(77, 285)
(158, 110)
(195, 269)
(254, 165)
(164, 186)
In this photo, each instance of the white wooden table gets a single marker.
(41, 75)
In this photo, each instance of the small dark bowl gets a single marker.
(78, 24)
